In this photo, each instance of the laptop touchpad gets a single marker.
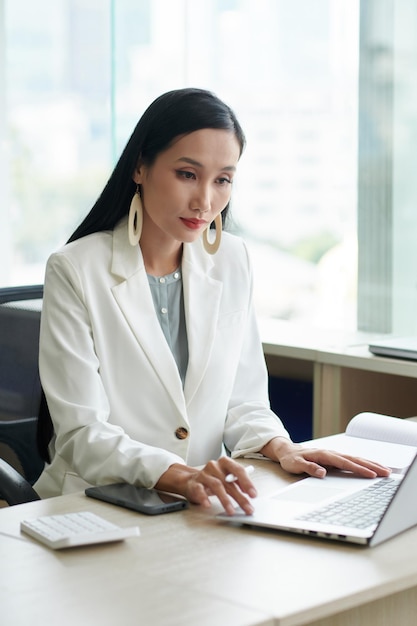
(308, 490)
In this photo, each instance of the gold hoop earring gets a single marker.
(135, 221)
(212, 246)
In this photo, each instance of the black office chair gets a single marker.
(14, 489)
(19, 294)
(18, 447)
(20, 389)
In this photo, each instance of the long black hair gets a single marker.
(173, 114)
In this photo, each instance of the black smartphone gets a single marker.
(148, 501)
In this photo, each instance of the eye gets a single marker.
(185, 174)
(224, 181)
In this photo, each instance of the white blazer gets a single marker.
(119, 408)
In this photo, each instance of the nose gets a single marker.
(201, 200)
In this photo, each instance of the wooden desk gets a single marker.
(188, 569)
(347, 379)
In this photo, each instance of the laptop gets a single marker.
(339, 507)
(397, 347)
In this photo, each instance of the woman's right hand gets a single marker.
(197, 485)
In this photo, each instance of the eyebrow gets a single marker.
(229, 168)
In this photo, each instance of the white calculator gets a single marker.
(75, 529)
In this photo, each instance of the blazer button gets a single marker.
(181, 433)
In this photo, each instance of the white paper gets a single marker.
(394, 455)
(383, 428)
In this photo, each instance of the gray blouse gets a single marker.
(168, 299)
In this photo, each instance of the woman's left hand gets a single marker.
(296, 459)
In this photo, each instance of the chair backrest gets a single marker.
(18, 446)
(15, 489)
(21, 293)
(20, 388)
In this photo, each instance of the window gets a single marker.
(387, 224)
(72, 87)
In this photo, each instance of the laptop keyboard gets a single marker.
(359, 510)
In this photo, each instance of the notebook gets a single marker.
(314, 506)
(396, 347)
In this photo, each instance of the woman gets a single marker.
(150, 357)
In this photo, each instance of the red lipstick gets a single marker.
(193, 223)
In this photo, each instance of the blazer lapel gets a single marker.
(133, 296)
(202, 296)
